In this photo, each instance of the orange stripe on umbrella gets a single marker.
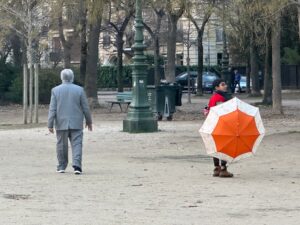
(232, 130)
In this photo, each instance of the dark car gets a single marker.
(182, 79)
(207, 80)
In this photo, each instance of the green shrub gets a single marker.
(291, 56)
(8, 74)
(11, 80)
(15, 93)
(107, 75)
(150, 59)
(48, 78)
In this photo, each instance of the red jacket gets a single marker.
(215, 98)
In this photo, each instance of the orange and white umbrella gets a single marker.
(232, 130)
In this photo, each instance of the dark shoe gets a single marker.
(217, 171)
(225, 173)
(60, 171)
(77, 170)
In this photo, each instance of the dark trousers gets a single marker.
(236, 83)
(217, 162)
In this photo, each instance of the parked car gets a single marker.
(182, 79)
(243, 83)
(207, 80)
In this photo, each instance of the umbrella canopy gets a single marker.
(232, 130)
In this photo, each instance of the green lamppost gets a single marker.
(225, 56)
(139, 118)
(225, 60)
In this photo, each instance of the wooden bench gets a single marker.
(121, 98)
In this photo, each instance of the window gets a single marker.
(106, 41)
(219, 35)
(56, 46)
(219, 58)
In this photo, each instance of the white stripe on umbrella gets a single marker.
(212, 120)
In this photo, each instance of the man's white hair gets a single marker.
(67, 75)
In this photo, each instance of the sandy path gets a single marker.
(159, 178)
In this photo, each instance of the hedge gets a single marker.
(11, 80)
(8, 74)
(48, 78)
(108, 74)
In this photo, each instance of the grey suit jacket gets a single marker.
(68, 107)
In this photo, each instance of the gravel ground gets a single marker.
(157, 178)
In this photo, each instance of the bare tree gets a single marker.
(95, 16)
(206, 7)
(29, 17)
(120, 15)
(272, 15)
(276, 66)
(67, 15)
(297, 5)
(158, 8)
(83, 12)
(267, 96)
(5, 45)
(175, 10)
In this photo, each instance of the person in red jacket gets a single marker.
(220, 95)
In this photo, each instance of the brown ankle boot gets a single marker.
(224, 172)
(217, 171)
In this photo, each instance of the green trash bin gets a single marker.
(164, 99)
(178, 95)
(151, 91)
(160, 101)
(168, 100)
(156, 98)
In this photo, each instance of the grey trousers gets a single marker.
(75, 137)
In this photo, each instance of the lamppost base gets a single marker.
(143, 122)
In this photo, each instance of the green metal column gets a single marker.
(225, 55)
(225, 62)
(139, 118)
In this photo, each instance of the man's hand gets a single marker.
(89, 126)
(51, 130)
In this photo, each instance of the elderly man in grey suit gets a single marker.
(67, 110)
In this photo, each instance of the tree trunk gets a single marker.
(92, 64)
(30, 64)
(66, 44)
(156, 38)
(67, 56)
(255, 90)
(267, 97)
(248, 89)
(120, 44)
(171, 49)
(83, 41)
(276, 67)
(25, 93)
(16, 48)
(200, 32)
(200, 63)
(36, 93)
(157, 76)
(299, 17)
